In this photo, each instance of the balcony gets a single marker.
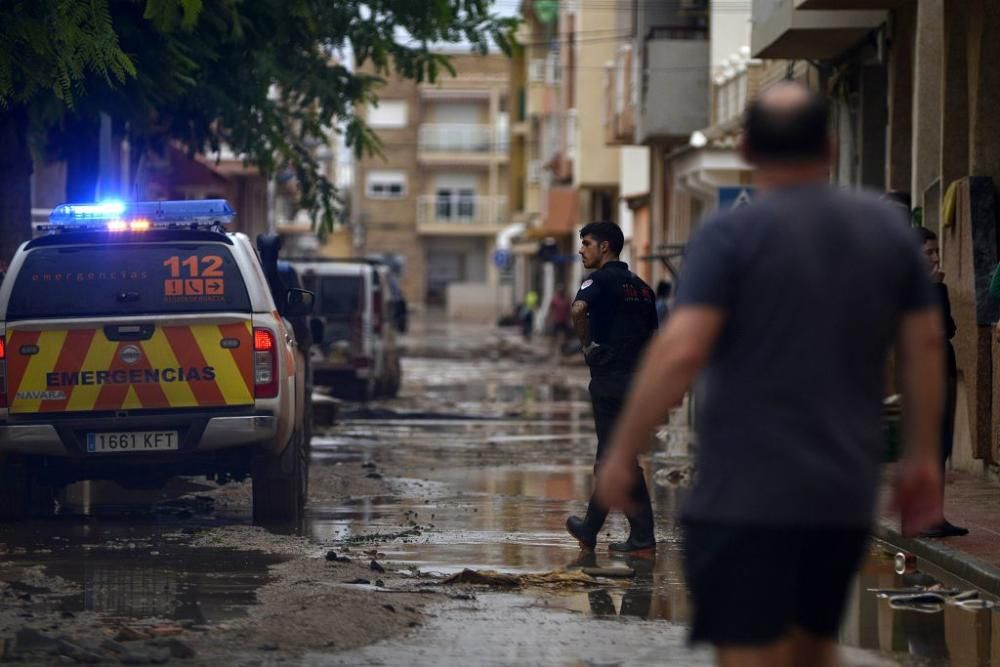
(785, 29)
(456, 142)
(619, 99)
(733, 90)
(460, 214)
(675, 89)
(558, 144)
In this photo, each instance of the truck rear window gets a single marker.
(339, 296)
(127, 279)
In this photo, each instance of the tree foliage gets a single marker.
(50, 48)
(260, 76)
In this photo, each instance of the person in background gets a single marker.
(663, 290)
(615, 317)
(528, 314)
(778, 520)
(901, 200)
(932, 251)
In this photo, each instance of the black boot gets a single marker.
(585, 530)
(642, 527)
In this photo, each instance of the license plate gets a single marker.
(131, 441)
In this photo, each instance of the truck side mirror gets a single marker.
(299, 302)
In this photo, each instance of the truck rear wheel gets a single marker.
(280, 483)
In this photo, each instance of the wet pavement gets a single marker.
(476, 465)
(494, 494)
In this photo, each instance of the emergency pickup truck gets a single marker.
(139, 342)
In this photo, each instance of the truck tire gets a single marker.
(280, 483)
(22, 494)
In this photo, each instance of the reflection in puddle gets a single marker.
(129, 573)
(205, 586)
(952, 636)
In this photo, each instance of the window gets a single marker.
(340, 296)
(453, 203)
(127, 279)
(388, 114)
(385, 184)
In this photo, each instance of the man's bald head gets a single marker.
(787, 123)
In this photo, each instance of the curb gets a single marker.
(953, 561)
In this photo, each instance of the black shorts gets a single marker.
(750, 585)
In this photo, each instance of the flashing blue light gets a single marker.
(103, 211)
(140, 216)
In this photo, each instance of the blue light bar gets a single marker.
(103, 210)
(140, 216)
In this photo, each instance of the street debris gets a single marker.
(610, 572)
(932, 600)
(333, 557)
(128, 634)
(30, 645)
(493, 578)
(325, 409)
(677, 476)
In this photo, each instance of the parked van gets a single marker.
(354, 340)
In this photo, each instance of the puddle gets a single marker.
(127, 572)
(206, 586)
(952, 636)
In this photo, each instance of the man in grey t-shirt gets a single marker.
(787, 309)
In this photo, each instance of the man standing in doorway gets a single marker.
(614, 315)
(932, 250)
(789, 403)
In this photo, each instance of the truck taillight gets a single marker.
(265, 363)
(377, 314)
(357, 332)
(3, 372)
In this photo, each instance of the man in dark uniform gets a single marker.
(614, 315)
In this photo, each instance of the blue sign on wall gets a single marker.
(735, 197)
(502, 258)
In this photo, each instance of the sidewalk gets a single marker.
(970, 502)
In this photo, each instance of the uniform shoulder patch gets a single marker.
(587, 283)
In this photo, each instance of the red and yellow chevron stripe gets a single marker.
(80, 370)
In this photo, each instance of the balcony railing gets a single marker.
(462, 138)
(461, 211)
(733, 88)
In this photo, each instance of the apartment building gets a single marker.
(563, 173)
(437, 197)
(658, 95)
(535, 76)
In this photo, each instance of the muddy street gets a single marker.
(473, 468)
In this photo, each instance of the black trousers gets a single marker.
(948, 418)
(607, 396)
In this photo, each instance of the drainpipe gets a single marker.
(504, 241)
